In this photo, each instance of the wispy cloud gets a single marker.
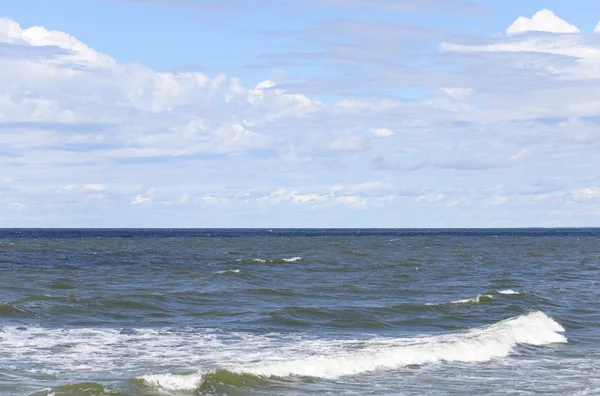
(392, 116)
(212, 6)
(452, 6)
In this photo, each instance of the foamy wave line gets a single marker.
(287, 260)
(235, 271)
(475, 299)
(478, 345)
(479, 298)
(509, 291)
(173, 382)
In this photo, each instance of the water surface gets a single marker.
(288, 312)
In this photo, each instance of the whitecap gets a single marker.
(472, 300)
(235, 271)
(173, 382)
(146, 352)
(508, 291)
(478, 345)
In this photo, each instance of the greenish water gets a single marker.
(288, 312)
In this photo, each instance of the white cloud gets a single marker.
(282, 194)
(432, 198)
(458, 93)
(94, 187)
(18, 206)
(185, 199)
(542, 21)
(38, 36)
(81, 132)
(554, 55)
(382, 132)
(499, 201)
(454, 6)
(587, 193)
(351, 144)
(350, 200)
(146, 198)
(93, 78)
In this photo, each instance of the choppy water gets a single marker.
(289, 312)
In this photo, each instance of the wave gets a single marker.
(82, 388)
(476, 299)
(509, 291)
(488, 297)
(329, 359)
(283, 260)
(235, 271)
(173, 382)
(479, 345)
(208, 382)
(11, 310)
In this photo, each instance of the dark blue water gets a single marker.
(263, 312)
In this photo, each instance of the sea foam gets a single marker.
(509, 291)
(476, 299)
(480, 298)
(331, 359)
(232, 271)
(173, 382)
(479, 345)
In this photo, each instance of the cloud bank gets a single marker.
(506, 136)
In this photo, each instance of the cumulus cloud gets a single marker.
(146, 198)
(542, 21)
(38, 36)
(496, 124)
(561, 52)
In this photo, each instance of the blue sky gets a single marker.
(314, 113)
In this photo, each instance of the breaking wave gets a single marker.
(488, 297)
(82, 388)
(476, 299)
(509, 291)
(233, 271)
(330, 359)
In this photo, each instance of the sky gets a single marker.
(299, 113)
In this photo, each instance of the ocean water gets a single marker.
(300, 312)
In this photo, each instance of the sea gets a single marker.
(299, 312)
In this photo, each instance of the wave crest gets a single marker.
(352, 358)
(478, 345)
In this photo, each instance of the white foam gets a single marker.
(287, 260)
(235, 271)
(479, 345)
(472, 300)
(151, 354)
(509, 291)
(173, 382)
